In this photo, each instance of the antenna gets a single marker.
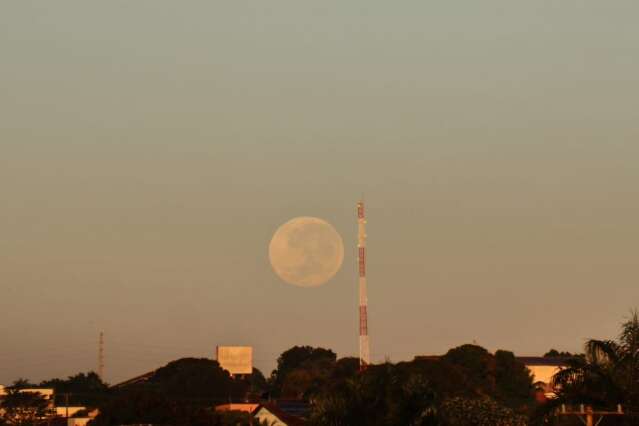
(101, 357)
(364, 344)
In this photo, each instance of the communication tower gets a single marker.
(364, 349)
(101, 356)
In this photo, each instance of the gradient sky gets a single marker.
(149, 149)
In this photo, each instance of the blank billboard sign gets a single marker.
(236, 359)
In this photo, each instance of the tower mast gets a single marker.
(101, 356)
(364, 349)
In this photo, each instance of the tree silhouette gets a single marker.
(20, 408)
(607, 375)
(81, 389)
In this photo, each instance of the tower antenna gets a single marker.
(364, 348)
(101, 356)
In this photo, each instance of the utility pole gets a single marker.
(588, 416)
(101, 356)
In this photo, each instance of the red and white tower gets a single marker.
(364, 349)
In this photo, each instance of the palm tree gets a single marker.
(607, 375)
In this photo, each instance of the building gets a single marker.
(46, 393)
(276, 413)
(275, 416)
(543, 368)
(68, 411)
(244, 407)
(81, 417)
(235, 359)
(78, 421)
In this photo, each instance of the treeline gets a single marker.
(467, 386)
(467, 383)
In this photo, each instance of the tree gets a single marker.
(198, 380)
(607, 375)
(81, 389)
(447, 379)
(413, 393)
(478, 412)
(500, 377)
(144, 406)
(477, 365)
(554, 353)
(514, 383)
(257, 384)
(22, 383)
(23, 408)
(345, 368)
(183, 392)
(133, 406)
(381, 395)
(311, 366)
(414, 403)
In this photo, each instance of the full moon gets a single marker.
(306, 251)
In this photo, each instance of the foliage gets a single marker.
(513, 381)
(501, 376)
(607, 375)
(197, 379)
(22, 408)
(414, 403)
(428, 391)
(144, 406)
(81, 389)
(22, 383)
(477, 365)
(137, 406)
(446, 379)
(381, 395)
(477, 412)
(257, 383)
(554, 353)
(181, 393)
(305, 365)
(345, 367)
(412, 393)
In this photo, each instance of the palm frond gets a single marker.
(603, 351)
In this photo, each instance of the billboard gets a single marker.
(235, 359)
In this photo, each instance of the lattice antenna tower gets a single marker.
(101, 356)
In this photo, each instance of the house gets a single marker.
(46, 393)
(543, 368)
(82, 417)
(63, 411)
(78, 421)
(274, 416)
(244, 407)
(277, 413)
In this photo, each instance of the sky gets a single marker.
(150, 149)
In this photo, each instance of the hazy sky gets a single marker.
(149, 150)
